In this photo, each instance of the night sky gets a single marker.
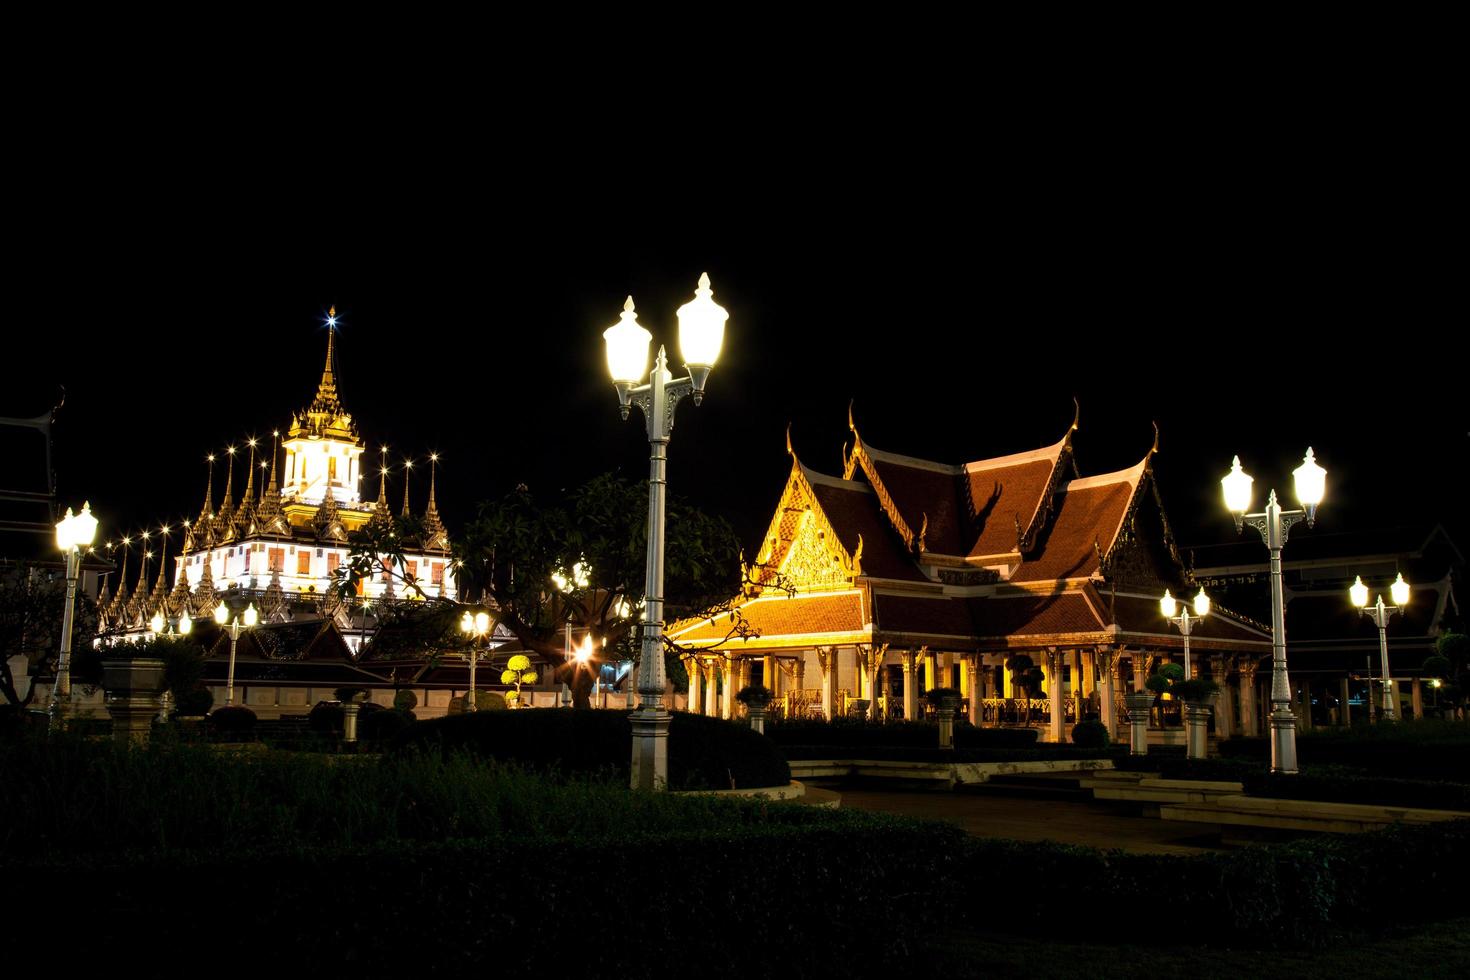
(1254, 315)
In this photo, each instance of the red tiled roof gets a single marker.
(1140, 614)
(1089, 515)
(918, 491)
(840, 612)
(936, 616)
(854, 511)
(1003, 497)
(975, 618)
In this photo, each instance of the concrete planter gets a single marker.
(945, 714)
(1139, 704)
(349, 720)
(131, 690)
(1197, 729)
(757, 712)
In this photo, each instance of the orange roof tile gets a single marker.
(1005, 497)
(852, 510)
(839, 612)
(1089, 516)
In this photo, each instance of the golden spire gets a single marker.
(207, 511)
(120, 597)
(275, 451)
(434, 534)
(245, 516)
(268, 514)
(407, 472)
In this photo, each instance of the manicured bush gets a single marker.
(704, 753)
(381, 725)
(1195, 689)
(232, 720)
(1427, 749)
(936, 696)
(194, 702)
(326, 717)
(1090, 734)
(489, 701)
(753, 694)
(911, 753)
(405, 700)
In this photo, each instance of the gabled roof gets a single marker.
(852, 511)
(1090, 515)
(775, 616)
(1009, 496)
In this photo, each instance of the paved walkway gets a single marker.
(986, 814)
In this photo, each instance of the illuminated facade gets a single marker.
(904, 575)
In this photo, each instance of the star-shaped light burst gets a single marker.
(332, 318)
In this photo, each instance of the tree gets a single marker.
(32, 602)
(578, 559)
(1450, 665)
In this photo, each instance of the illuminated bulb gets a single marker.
(482, 623)
(185, 623)
(627, 347)
(1311, 481)
(222, 613)
(1201, 604)
(1359, 592)
(467, 622)
(251, 616)
(1400, 591)
(1237, 487)
(702, 326)
(1168, 606)
(156, 622)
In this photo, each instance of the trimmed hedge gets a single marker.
(884, 753)
(851, 733)
(234, 720)
(379, 726)
(1431, 750)
(704, 753)
(1326, 784)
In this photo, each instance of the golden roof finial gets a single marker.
(789, 450)
(1154, 450)
(407, 472)
(1076, 413)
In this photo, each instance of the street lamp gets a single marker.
(1380, 614)
(1186, 623)
(701, 333)
(222, 616)
(73, 533)
(1274, 523)
(476, 627)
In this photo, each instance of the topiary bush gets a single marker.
(1090, 734)
(704, 753)
(232, 720)
(194, 702)
(327, 717)
(405, 700)
(490, 701)
(936, 695)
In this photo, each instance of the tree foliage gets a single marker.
(32, 603)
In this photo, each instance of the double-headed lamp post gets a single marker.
(1274, 523)
(1169, 606)
(476, 627)
(1380, 614)
(701, 333)
(74, 533)
(222, 616)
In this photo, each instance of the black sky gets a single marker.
(1248, 304)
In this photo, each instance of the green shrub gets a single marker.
(489, 701)
(382, 725)
(937, 695)
(1090, 734)
(753, 694)
(326, 717)
(1426, 749)
(1195, 689)
(704, 753)
(345, 694)
(235, 719)
(405, 700)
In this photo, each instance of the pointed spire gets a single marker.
(120, 598)
(160, 588)
(268, 516)
(381, 513)
(224, 520)
(206, 513)
(245, 516)
(205, 598)
(435, 535)
(178, 599)
(407, 472)
(326, 520)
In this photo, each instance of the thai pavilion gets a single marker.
(903, 575)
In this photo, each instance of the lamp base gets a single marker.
(1283, 741)
(650, 770)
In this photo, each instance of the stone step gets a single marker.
(1257, 811)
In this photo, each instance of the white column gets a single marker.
(694, 704)
(827, 658)
(1054, 688)
(972, 678)
(711, 691)
(1104, 661)
(910, 700)
(727, 700)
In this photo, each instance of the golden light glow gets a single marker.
(1237, 487)
(251, 616)
(467, 622)
(1311, 481)
(1168, 606)
(1201, 604)
(627, 347)
(222, 613)
(702, 326)
(1359, 592)
(583, 653)
(185, 623)
(156, 622)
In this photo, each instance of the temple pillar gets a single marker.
(1089, 673)
(910, 698)
(1054, 689)
(972, 680)
(1140, 666)
(1007, 682)
(768, 674)
(1224, 705)
(929, 669)
(946, 670)
(711, 690)
(874, 667)
(1105, 662)
(727, 699)
(1416, 698)
(827, 658)
(799, 676)
(693, 702)
(1345, 711)
(1074, 666)
(1246, 685)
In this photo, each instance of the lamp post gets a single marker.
(73, 533)
(1185, 622)
(1380, 614)
(1274, 524)
(476, 627)
(701, 332)
(222, 616)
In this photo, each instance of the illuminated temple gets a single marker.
(280, 546)
(902, 575)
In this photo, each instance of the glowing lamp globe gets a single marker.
(156, 622)
(64, 531)
(1168, 606)
(1359, 592)
(185, 623)
(702, 326)
(1237, 487)
(482, 622)
(1311, 481)
(251, 616)
(627, 347)
(1201, 604)
(222, 613)
(84, 527)
(1400, 591)
(467, 622)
